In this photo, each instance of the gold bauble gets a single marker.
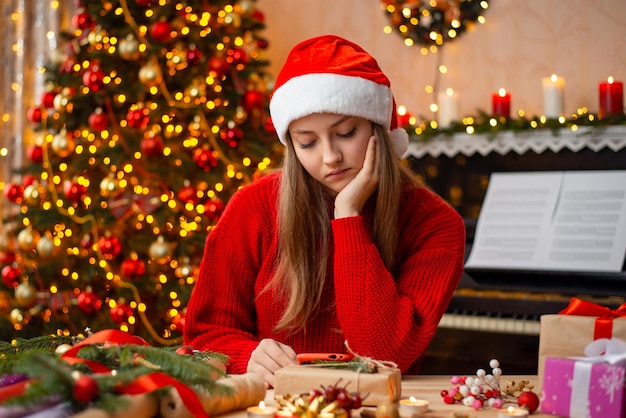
(387, 409)
(25, 294)
(17, 317)
(150, 74)
(109, 186)
(233, 19)
(184, 270)
(45, 247)
(61, 349)
(63, 145)
(61, 102)
(160, 251)
(27, 238)
(129, 48)
(96, 36)
(33, 193)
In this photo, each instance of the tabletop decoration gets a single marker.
(108, 371)
(329, 401)
(484, 391)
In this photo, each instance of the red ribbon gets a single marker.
(143, 384)
(604, 322)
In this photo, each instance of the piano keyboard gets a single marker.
(490, 324)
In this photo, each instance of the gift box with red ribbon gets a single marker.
(567, 333)
(587, 387)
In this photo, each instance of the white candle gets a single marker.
(553, 102)
(512, 412)
(261, 411)
(413, 406)
(448, 108)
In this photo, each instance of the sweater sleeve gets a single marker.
(395, 318)
(221, 311)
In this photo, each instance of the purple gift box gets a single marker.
(582, 389)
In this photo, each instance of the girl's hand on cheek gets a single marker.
(350, 201)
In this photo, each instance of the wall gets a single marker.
(521, 42)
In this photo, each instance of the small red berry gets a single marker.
(448, 399)
(444, 393)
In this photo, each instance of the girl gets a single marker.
(341, 246)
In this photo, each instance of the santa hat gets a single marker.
(329, 74)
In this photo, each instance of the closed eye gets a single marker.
(348, 134)
(307, 145)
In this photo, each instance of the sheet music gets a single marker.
(561, 221)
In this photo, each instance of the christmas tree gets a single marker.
(154, 114)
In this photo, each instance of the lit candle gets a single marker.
(611, 98)
(501, 103)
(512, 412)
(413, 406)
(553, 103)
(261, 411)
(448, 108)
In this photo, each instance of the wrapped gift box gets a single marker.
(577, 330)
(374, 387)
(580, 389)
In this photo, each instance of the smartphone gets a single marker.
(307, 358)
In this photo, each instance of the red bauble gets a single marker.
(232, 136)
(184, 350)
(14, 192)
(7, 257)
(219, 65)
(85, 389)
(237, 56)
(11, 276)
(121, 312)
(188, 194)
(35, 153)
(194, 55)
(138, 117)
(143, 3)
(93, 78)
(161, 31)
(152, 146)
(205, 159)
(213, 209)
(81, 20)
(528, 400)
(98, 120)
(88, 302)
(133, 268)
(404, 120)
(28, 179)
(110, 246)
(253, 99)
(73, 191)
(47, 99)
(34, 114)
(258, 16)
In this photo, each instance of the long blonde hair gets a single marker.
(304, 215)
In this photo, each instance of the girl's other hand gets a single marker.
(268, 357)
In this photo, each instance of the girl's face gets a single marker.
(331, 147)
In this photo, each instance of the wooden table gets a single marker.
(428, 388)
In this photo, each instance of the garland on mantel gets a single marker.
(489, 125)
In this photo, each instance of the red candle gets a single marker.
(611, 98)
(501, 103)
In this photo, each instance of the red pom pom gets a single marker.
(528, 400)
(85, 389)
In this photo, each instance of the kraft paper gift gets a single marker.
(568, 333)
(590, 387)
(384, 385)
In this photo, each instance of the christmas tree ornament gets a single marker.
(213, 209)
(11, 275)
(62, 348)
(133, 267)
(63, 144)
(88, 301)
(161, 31)
(47, 99)
(188, 194)
(98, 120)
(121, 312)
(73, 190)
(219, 65)
(34, 114)
(129, 48)
(93, 78)
(160, 251)
(184, 269)
(138, 117)
(96, 36)
(231, 136)
(110, 246)
(81, 20)
(27, 238)
(17, 317)
(528, 400)
(62, 102)
(25, 294)
(253, 100)
(7, 257)
(194, 55)
(233, 19)
(110, 186)
(237, 56)
(150, 74)
(85, 389)
(204, 159)
(32, 194)
(45, 247)
(196, 91)
(14, 192)
(35, 153)
(151, 145)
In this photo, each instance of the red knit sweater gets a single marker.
(381, 316)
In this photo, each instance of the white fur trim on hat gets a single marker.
(334, 93)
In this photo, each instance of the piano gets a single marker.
(496, 314)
